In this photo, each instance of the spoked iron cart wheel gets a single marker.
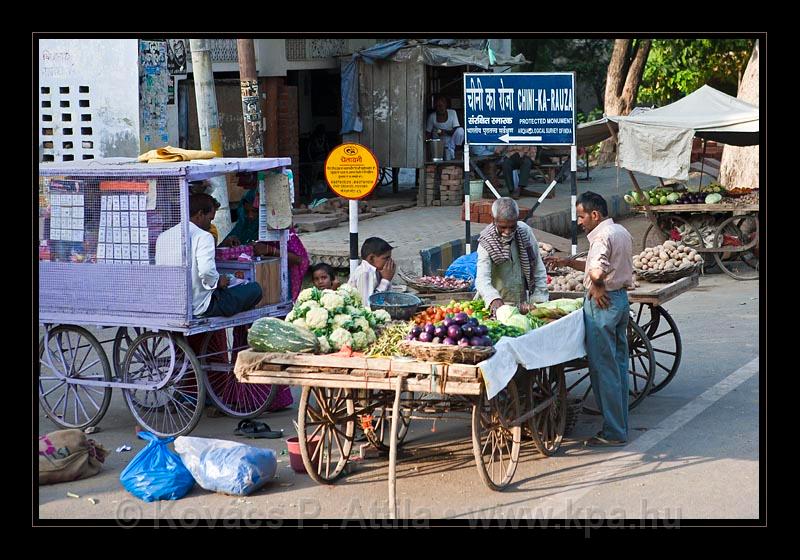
(70, 359)
(739, 235)
(172, 394)
(122, 341)
(548, 396)
(495, 442)
(641, 364)
(663, 335)
(326, 424)
(217, 357)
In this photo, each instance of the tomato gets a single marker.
(469, 311)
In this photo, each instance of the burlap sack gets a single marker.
(66, 455)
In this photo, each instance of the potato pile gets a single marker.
(545, 249)
(571, 282)
(668, 256)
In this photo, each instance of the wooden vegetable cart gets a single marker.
(341, 394)
(732, 238)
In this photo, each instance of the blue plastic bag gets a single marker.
(465, 268)
(156, 473)
(227, 466)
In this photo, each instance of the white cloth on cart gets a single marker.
(560, 341)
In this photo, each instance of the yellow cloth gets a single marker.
(215, 232)
(169, 154)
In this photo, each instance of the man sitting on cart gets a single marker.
(211, 295)
(510, 268)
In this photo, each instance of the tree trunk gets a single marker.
(625, 72)
(739, 166)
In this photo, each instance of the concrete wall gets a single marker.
(107, 68)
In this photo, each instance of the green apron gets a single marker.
(507, 278)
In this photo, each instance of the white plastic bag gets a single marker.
(226, 466)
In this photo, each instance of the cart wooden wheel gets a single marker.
(326, 424)
(548, 389)
(175, 408)
(122, 341)
(380, 432)
(495, 442)
(217, 357)
(640, 368)
(68, 354)
(663, 335)
(743, 263)
(666, 222)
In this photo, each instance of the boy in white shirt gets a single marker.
(376, 270)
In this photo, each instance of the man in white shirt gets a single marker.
(443, 123)
(510, 268)
(375, 271)
(210, 293)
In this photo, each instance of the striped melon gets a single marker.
(275, 335)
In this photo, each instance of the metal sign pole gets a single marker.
(467, 244)
(573, 156)
(353, 211)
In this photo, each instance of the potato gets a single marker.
(663, 257)
(698, 258)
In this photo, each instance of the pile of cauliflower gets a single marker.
(337, 318)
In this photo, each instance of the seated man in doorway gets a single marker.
(210, 293)
(443, 123)
(516, 157)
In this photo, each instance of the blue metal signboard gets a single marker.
(520, 108)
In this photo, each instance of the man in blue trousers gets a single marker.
(609, 272)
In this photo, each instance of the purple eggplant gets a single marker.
(481, 330)
(449, 341)
(448, 321)
(468, 330)
(476, 341)
(425, 337)
(429, 328)
(440, 331)
(461, 318)
(416, 331)
(454, 332)
(473, 321)
(411, 337)
(487, 341)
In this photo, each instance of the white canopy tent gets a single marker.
(659, 142)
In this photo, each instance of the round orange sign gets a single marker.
(351, 170)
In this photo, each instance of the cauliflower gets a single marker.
(310, 304)
(342, 320)
(291, 316)
(371, 336)
(317, 318)
(339, 338)
(370, 317)
(324, 345)
(355, 311)
(300, 323)
(361, 324)
(360, 340)
(382, 316)
(308, 294)
(331, 301)
(346, 290)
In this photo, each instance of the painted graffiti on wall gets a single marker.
(55, 63)
(153, 94)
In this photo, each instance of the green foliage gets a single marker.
(588, 58)
(677, 67)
